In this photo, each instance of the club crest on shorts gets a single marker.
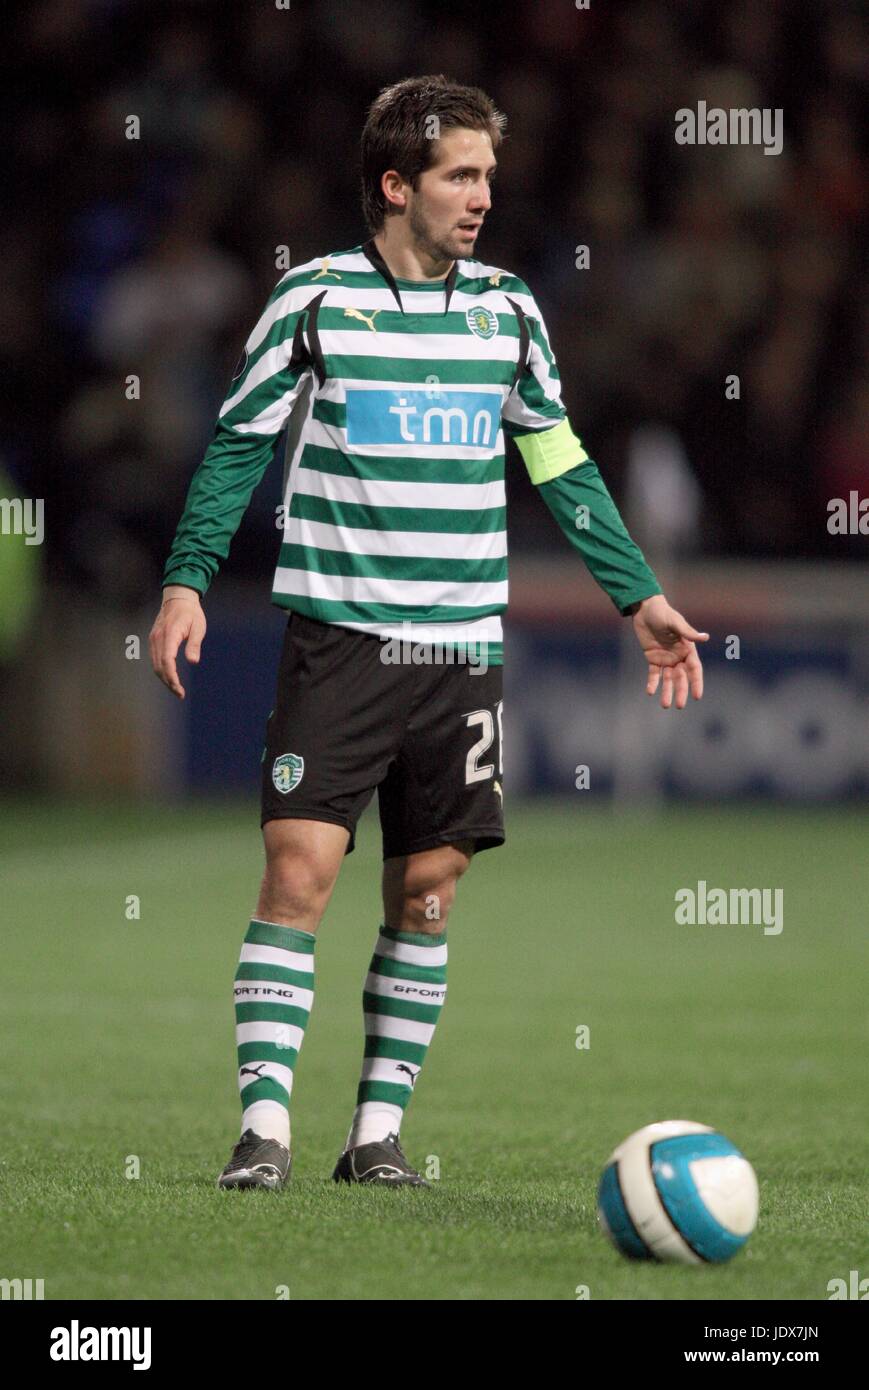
(481, 321)
(287, 771)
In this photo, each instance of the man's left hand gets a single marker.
(668, 642)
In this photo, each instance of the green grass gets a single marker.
(118, 1040)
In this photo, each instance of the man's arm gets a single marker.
(260, 397)
(577, 496)
(575, 493)
(180, 619)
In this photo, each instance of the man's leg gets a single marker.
(440, 803)
(406, 985)
(274, 981)
(303, 858)
(338, 719)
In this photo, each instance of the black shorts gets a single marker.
(427, 737)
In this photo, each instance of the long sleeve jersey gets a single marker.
(397, 396)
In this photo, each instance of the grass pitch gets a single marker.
(118, 1046)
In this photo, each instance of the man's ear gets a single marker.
(391, 187)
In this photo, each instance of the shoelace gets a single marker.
(398, 1149)
(244, 1148)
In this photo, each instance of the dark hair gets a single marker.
(398, 132)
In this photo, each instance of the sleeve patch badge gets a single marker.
(288, 771)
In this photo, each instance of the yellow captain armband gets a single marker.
(549, 453)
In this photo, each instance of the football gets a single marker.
(678, 1191)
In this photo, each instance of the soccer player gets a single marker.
(397, 367)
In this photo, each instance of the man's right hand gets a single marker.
(180, 619)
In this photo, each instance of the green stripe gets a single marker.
(434, 286)
(271, 1013)
(267, 1052)
(352, 367)
(400, 970)
(390, 1007)
(338, 263)
(280, 974)
(414, 938)
(345, 610)
(370, 278)
(283, 330)
(288, 938)
(453, 323)
(262, 396)
(546, 351)
(425, 567)
(296, 279)
(267, 1088)
(396, 1047)
(328, 413)
(532, 393)
(384, 1091)
(454, 472)
(465, 521)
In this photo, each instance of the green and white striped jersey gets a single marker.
(397, 396)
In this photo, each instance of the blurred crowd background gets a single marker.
(154, 256)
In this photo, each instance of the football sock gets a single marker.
(402, 999)
(274, 990)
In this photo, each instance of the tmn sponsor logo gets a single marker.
(469, 418)
(76, 1343)
(751, 907)
(712, 125)
(26, 1289)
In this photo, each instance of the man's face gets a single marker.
(454, 195)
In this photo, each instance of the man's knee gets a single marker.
(302, 863)
(419, 890)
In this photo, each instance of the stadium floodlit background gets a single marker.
(134, 269)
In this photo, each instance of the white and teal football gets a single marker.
(678, 1191)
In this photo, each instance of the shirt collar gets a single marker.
(371, 251)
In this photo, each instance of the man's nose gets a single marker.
(482, 197)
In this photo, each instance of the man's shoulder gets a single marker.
(333, 268)
(352, 268)
(479, 278)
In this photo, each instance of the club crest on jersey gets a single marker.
(287, 772)
(481, 321)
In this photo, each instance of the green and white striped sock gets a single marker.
(274, 991)
(404, 993)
